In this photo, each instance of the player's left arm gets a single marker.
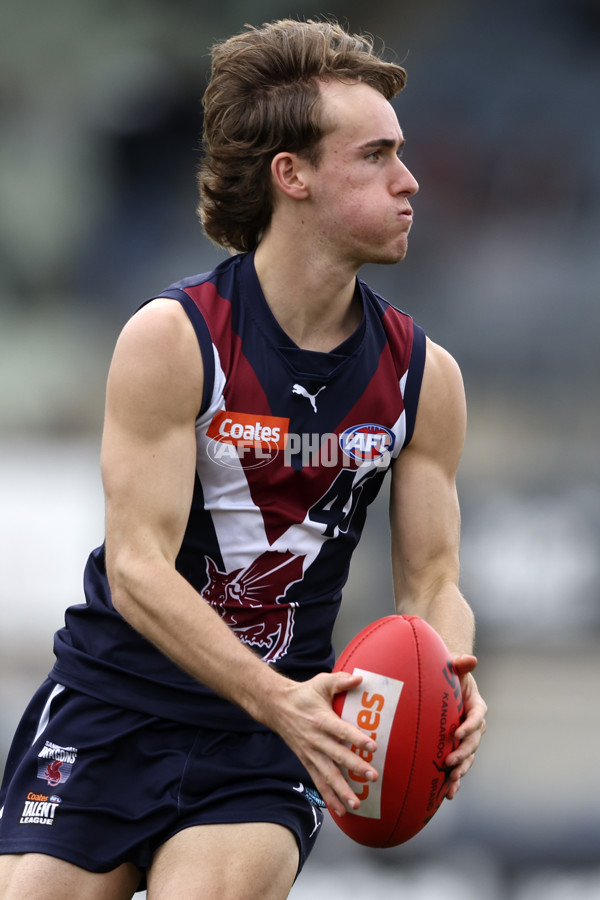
(425, 523)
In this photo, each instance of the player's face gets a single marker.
(361, 188)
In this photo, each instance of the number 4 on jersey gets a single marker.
(337, 506)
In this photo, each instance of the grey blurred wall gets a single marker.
(99, 134)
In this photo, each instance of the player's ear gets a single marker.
(288, 171)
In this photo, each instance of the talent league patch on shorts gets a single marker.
(39, 809)
(55, 763)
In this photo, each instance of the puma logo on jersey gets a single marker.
(299, 389)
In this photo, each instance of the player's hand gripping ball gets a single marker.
(410, 702)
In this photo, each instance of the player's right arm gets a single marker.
(148, 468)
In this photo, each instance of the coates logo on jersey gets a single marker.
(254, 440)
(368, 443)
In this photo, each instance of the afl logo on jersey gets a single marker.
(368, 443)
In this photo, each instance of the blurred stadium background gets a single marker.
(100, 117)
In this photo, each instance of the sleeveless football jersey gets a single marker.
(292, 447)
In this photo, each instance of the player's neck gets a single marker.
(314, 303)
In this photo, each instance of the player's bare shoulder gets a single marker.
(442, 378)
(157, 364)
(161, 331)
(441, 414)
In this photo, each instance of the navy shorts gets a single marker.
(98, 785)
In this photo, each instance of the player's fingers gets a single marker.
(337, 683)
(333, 745)
(466, 749)
(474, 723)
(336, 791)
(329, 781)
(457, 771)
(331, 757)
(349, 749)
(475, 710)
(362, 744)
(464, 664)
(340, 798)
(473, 726)
(453, 790)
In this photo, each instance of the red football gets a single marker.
(410, 702)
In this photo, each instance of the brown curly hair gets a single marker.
(263, 98)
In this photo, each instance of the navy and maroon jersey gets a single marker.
(292, 447)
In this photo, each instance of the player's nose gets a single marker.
(405, 182)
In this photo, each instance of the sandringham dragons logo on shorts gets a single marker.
(55, 763)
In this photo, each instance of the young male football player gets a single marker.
(186, 734)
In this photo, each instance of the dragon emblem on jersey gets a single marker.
(250, 600)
